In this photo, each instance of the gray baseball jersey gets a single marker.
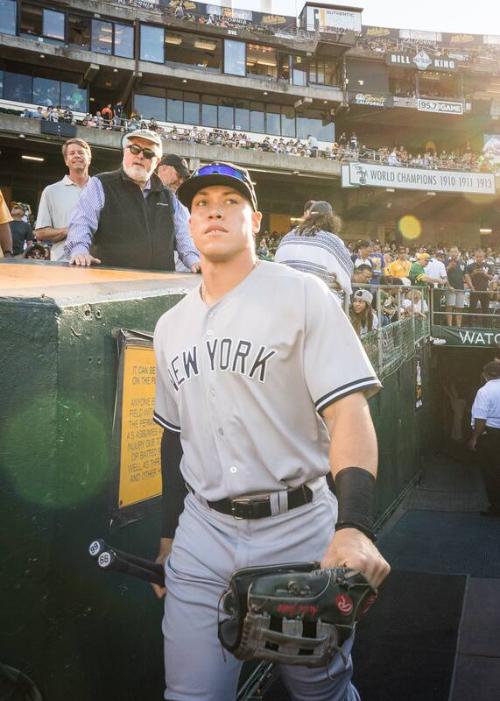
(244, 381)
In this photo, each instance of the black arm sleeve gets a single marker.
(173, 486)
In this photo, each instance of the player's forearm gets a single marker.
(52, 234)
(353, 442)
(5, 237)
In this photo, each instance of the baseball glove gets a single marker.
(295, 614)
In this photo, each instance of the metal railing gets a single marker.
(475, 309)
(403, 324)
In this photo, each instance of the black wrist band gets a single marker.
(355, 489)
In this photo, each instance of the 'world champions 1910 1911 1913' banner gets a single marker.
(402, 178)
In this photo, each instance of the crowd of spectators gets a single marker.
(392, 281)
(379, 283)
(348, 147)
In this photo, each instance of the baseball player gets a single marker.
(262, 378)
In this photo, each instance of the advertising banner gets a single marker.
(467, 338)
(370, 100)
(402, 178)
(421, 60)
(322, 19)
(440, 106)
(227, 16)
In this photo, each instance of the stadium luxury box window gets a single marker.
(194, 51)
(46, 92)
(41, 22)
(235, 53)
(152, 44)
(8, 12)
(262, 61)
(102, 37)
(123, 40)
(79, 32)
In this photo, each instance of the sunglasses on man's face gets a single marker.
(136, 150)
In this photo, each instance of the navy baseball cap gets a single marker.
(180, 164)
(218, 174)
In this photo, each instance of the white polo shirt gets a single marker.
(436, 269)
(56, 206)
(487, 404)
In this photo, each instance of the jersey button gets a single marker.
(220, 431)
(211, 315)
(210, 332)
(233, 469)
(212, 392)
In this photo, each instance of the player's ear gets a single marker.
(256, 221)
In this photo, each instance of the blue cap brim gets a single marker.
(190, 187)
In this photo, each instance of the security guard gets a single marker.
(485, 439)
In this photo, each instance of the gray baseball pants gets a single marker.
(208, 547)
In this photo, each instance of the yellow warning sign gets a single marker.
(140, 472)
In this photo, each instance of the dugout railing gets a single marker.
(404, 324)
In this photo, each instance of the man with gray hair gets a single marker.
(127, 218)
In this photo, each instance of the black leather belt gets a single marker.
(259, 505)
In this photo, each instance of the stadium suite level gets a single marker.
(259, 75)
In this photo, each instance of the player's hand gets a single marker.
(165, 548)
(351, 548)
(84, 260)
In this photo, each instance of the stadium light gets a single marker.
(485, 231)
(205, 45)
(174, 39)
(40, 159)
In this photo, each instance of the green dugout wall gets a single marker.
(78, 633)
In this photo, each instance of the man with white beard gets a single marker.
(127, 218)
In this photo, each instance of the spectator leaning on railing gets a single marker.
(59, 199)
(314, 247)
(127, 218)
(363, 317)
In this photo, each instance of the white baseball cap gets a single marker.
(364, 295)
(147, 135)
